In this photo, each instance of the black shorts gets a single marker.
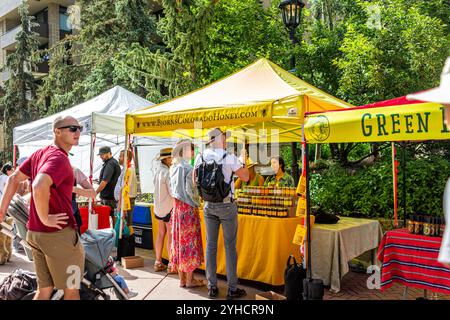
(166, 218)
(112, 204)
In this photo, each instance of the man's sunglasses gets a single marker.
(72, 128)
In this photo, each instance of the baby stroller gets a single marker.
(98, 245)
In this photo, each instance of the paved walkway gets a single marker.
(160, 286)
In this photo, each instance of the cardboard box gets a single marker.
(132, 262)
(269, 295)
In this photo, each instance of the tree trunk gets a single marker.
(334, 148)
(375, 149)
(317, 155)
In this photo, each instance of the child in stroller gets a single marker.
(112, 270)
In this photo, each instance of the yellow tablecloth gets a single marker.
(263, 247)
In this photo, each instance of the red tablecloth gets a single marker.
(412, 260)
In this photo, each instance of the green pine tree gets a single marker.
(18, 103)
(89, 62)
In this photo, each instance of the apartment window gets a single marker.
(63, 19)
(42, 16)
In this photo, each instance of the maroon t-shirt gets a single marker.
(53, 161)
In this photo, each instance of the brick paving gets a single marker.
(353, 287)
(155, 286)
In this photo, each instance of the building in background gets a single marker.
(51, 15)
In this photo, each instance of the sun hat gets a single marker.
(164, 153)
(217, 132)
(249, 163)
(180, 145)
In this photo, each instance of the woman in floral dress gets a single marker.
(186, 252)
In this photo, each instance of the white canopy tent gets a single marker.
(103, 121)
(102, 118)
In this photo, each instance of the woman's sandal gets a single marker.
(195, 283)
(159, 266)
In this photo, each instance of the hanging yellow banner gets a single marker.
(422, 121)
(300, 235)
(205, 118)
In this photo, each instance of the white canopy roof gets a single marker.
(102, 114)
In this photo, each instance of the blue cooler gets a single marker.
(141, 214)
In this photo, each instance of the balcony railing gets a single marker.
(9, 37)
(7, 6)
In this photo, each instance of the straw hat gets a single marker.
(249, 163)
(164, 153)
(440, 94)
(180, 145)
(217, 132)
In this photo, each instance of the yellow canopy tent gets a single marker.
(263, 100)
(261, 103)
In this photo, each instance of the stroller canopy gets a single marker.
(98, 245)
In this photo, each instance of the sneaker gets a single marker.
(20, 250)
(132, 294)
(213, 292)
(236, 293)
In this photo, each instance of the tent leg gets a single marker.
(122, 206)
(92, 225)
(14, 156)
(308, 212)
(295, 170)
(404, 182)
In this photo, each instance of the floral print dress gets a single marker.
(186, 252)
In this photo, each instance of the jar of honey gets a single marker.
(410, 224)
(426, 226)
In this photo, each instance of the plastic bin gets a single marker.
(84, 219)
(143, 237)
(141, 214)
(102, 214)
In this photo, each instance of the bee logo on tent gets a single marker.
(319, 127)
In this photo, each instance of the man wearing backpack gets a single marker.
(213, 176)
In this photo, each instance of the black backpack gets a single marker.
(19, 284)
(293, 280)
(211, 182)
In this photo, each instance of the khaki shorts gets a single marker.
(58, 258)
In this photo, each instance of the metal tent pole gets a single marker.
(308, 210)
(91, 225)
(404, 182)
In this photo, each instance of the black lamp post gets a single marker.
(291, 11)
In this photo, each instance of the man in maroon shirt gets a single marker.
(57, 252)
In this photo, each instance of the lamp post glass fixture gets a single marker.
(291, 12)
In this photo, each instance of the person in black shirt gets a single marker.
(108, 179)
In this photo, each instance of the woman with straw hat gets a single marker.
(186, 253)
(163, 201)
(254, 179)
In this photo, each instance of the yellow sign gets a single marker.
(422, 121)
(204, 118)
(300, 234)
